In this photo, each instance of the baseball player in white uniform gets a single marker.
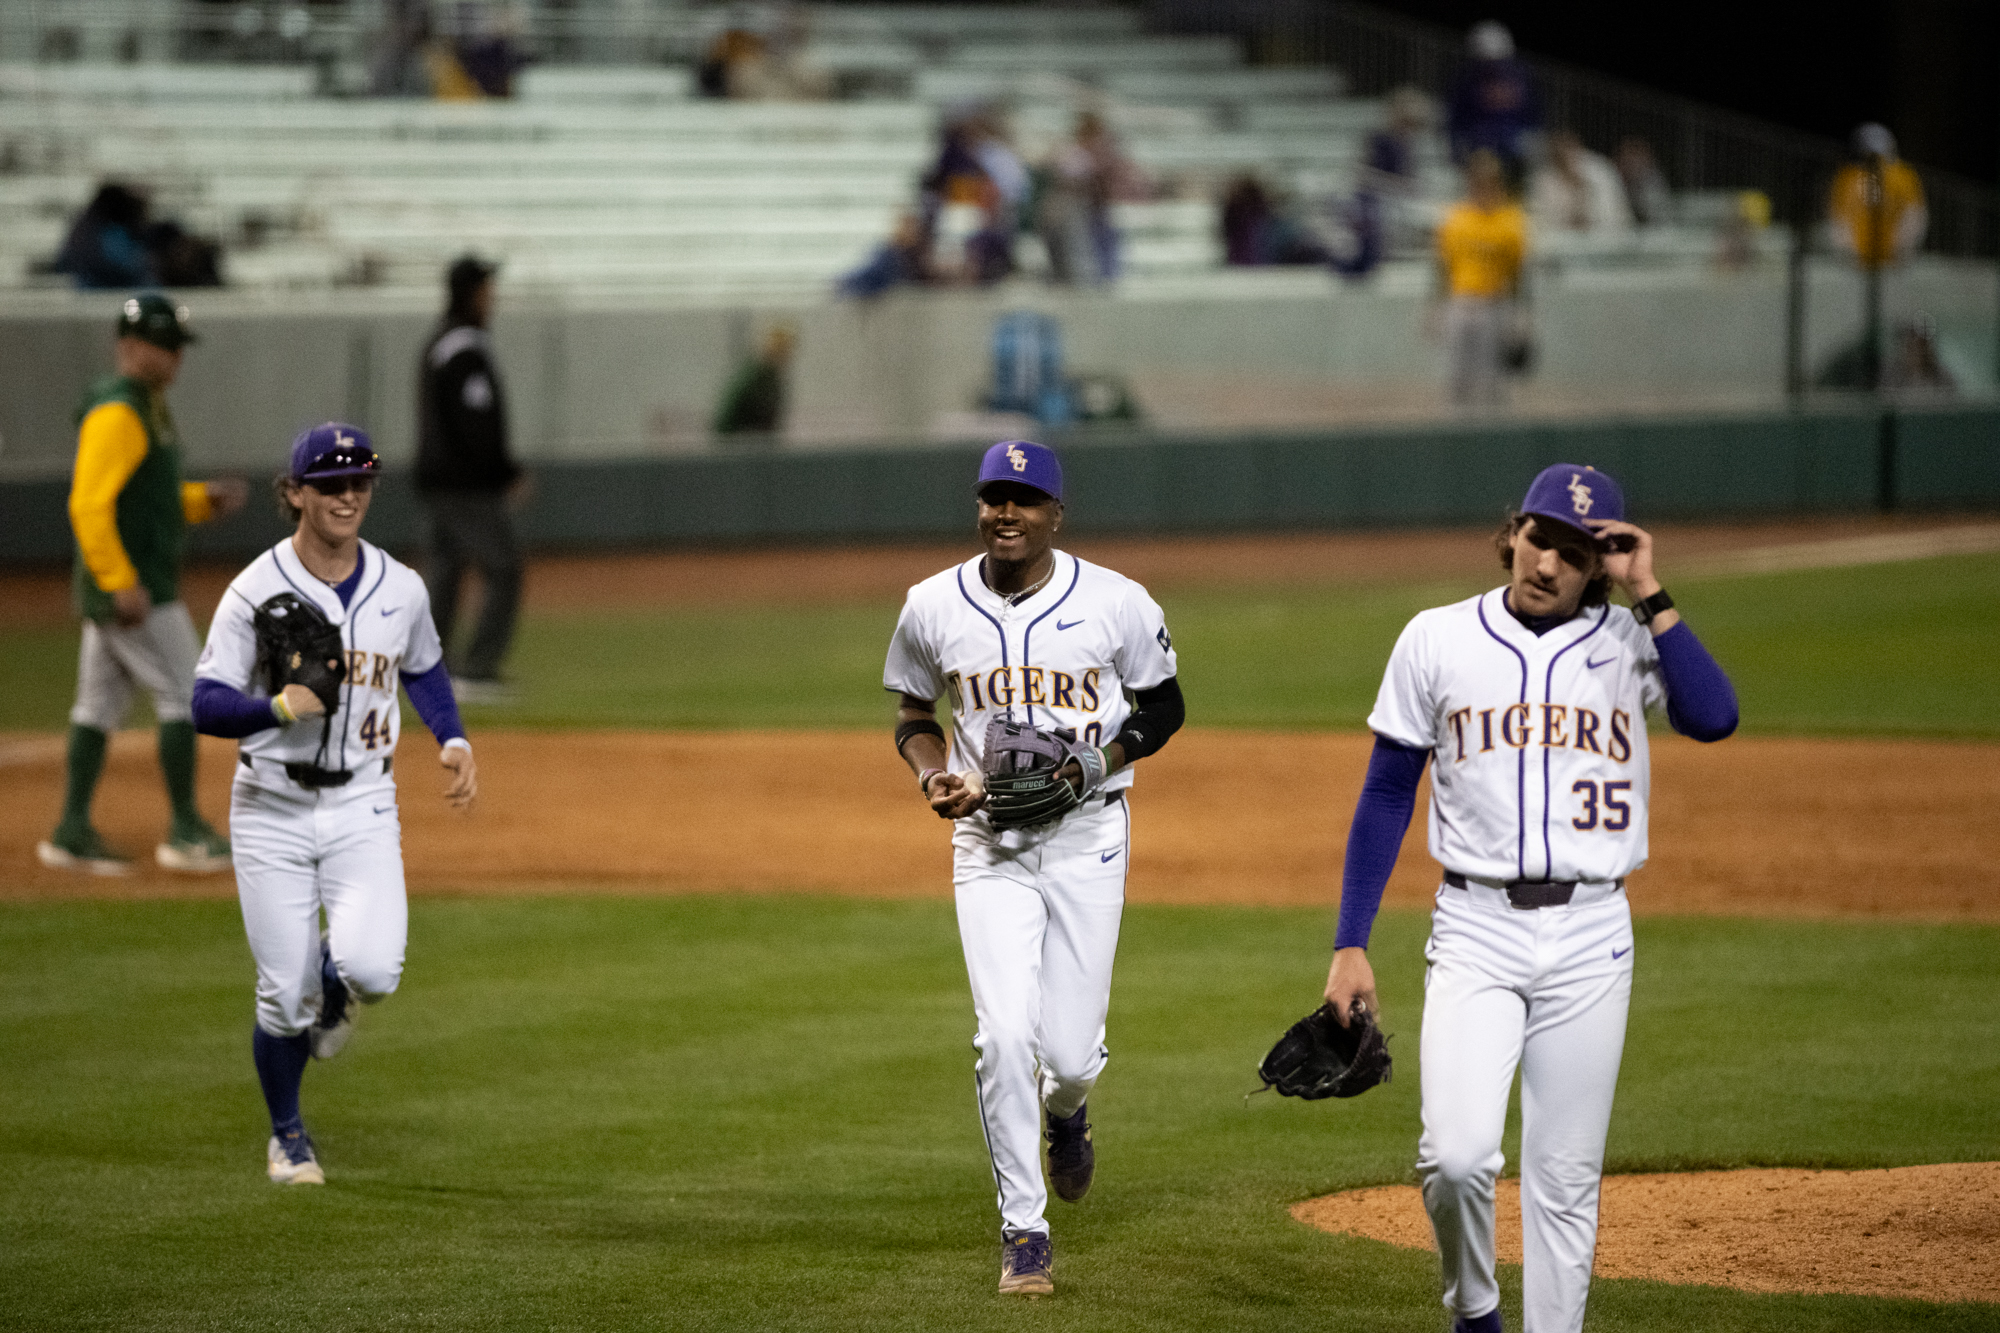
(1037, 636)
(1528, 705)
(313, 816)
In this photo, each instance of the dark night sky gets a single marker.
(1929, 69)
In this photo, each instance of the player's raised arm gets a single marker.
(1701, 703)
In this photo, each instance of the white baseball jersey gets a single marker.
(387, 630)
(1066, 657)
(1540, 767)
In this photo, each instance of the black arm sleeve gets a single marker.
(1159, 714)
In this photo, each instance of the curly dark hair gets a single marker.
(1577, 548)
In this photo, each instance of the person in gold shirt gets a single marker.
(1877, 203)
(1481, 246)
(130, 509)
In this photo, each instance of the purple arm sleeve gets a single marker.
(1381, 817)
(224, 710)
(1701, 702)
(430, 694)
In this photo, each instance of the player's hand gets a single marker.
(226, 495)
(130, 606)
(1351, 978)
(464, 786)
(303, 702)
(1630, 561)
(955, 795)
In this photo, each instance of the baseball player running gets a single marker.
(1528, 705)
(313, 812)
(1027, 640)
(130, 510)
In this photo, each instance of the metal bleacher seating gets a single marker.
(614, 179)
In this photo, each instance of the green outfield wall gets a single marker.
(1684, 468)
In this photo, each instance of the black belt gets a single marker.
(1528, 894)
(312, 777)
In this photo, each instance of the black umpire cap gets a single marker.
(152, 318)
(466, 275)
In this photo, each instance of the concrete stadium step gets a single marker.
(1098, 57)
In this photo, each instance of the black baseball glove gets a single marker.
(296, 646)
(1317, 1057)
(1024, 778)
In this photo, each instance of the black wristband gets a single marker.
(916, 726)
(1643, 612)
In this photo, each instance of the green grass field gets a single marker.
(1900, 649)
(719, 1113)
(601, 1112)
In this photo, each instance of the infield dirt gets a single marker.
(1884, 828)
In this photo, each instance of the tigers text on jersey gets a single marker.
(1065, 657)
(1539, 764)
(387, 630)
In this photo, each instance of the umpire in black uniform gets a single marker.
(467, 479)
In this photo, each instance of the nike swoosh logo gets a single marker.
(1589, 665)
(1620, 953)
(1062, 625)
(390, 610)
(1107, 856)
(384, 809)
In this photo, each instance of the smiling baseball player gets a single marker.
(1060, 675)
(1528, 705)
(302, 665)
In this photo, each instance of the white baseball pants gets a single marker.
(297, 851)
(115, 661)
(1548, 990)
(1038, 914)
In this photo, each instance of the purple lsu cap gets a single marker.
(334, 449)
(1023, 461)
(1574, 494)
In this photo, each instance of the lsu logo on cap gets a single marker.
(1017, 458)
(1579, 494)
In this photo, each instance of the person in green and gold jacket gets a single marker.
(130, 510)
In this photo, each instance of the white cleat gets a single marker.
(290, 1161)
(96, 860)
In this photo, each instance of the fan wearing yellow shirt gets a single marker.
(1481, 245)
(130, 510)
(1877, 204)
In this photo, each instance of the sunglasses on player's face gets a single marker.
(341, 460)
(333, 486)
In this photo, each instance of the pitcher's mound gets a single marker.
(1923, 1232)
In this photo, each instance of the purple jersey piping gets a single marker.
(1548, 697)
(989, 620)
(1076, 572)
(1521, 759)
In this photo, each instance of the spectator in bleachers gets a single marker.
(396, 65)
(490, 53)
(977, 165)
(1646, 190)
(1742, 229)
(754, 401)
(114, 243)
(468, 480)
(1494, 104)
(106, 245)
(1389, 160)
(1259, 228)
(1877, 205)
(1578, 191)
(1482, 245)
(1073, 210)
(902, 260)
